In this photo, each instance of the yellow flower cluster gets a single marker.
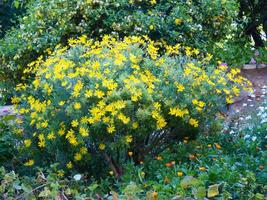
(99, 93)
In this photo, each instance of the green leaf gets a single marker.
(259, 196)
(199, 193)
(213, 190)
(45, 193)
(16, 4)
(189, 181)
(26, 188)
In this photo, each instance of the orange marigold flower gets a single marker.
(168, 164)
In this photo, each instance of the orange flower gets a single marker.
(217, 146)
(168, 164)
(192, 157)
(159, 158)
(130, 153)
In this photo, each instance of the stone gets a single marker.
(249, 66)
(261, 65)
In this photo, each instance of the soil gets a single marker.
(258, 78)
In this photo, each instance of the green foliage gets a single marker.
(194, 23)
(233, 169)
(7, 142)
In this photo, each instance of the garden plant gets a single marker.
(132, 99)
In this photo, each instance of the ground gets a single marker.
(248, 103)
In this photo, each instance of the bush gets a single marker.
(115, 99)
(9, 12)
(7, 141)
(193, 23)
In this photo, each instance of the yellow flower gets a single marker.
(128, 138)
(83, 150)
(180, 88)
(41, 142)
(77, 106)
(15, 100)
(187, 71)
(180, 174)
(153, 2)
(84, 132)
(229, 100)
(96, 65)
(88, 93)
(151, 27)
(51, 136)
(69, 165)
(61, 131)
(77, 88)
(27, 142)
(111, 129)
(60, 173)
(102, 146)
(135, 125)
(44, 124)
(123, 118)
(77, 156)
(178, 21)
(202, 169)
(236, 90)
(133, 58)
(157, 105)
(61, 103)
(195, 101)
(201, 104)
(99, 93)
(143, 174)
(178, 112)
(29, 163)
(161, 123)
(193, 122)
(74, 123)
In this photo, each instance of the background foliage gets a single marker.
(198, 24)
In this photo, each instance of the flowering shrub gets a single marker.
(114, 99)
(195, 23)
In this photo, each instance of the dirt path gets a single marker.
(258, 78)
(247, 103)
